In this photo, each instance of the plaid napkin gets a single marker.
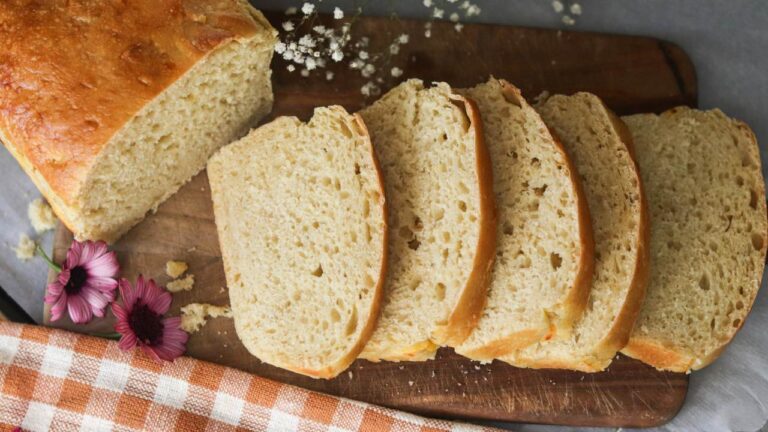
(60, 381)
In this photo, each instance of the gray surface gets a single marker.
(727, 41)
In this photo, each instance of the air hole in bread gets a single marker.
(556, 260)
(674, 245)
(753, 199)
(315, 225)
(357, 169)
(536, 162)
(440, 291)
(704, 282)
(405, 232)
(352, 322)
(414, 244)
(736, 323)
(739, 305)
(746, 160)
(508, 229)
(417, 224)
(414, 284)
(318, 271)
(462, 206)
(757, 241)
(335, 317)
(739, 181)
(437, 213)
(539, 191)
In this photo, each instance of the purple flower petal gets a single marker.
(73, 254)
(150, 351)
(127, 341)
(161, 303)
(127, 294)
(105, 265)
(97, 300)
(79, 309)
(59, 305)
(55, 288)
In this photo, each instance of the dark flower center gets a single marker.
(77, 277)
(146, 324)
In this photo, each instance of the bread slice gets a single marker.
(442, 228)
(110, 107)
(301, 218)
(701, 172)
(540, 280)
(599, 145)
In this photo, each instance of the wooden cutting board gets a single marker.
(632, 74)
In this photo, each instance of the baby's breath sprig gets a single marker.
(569, 13)
(450, 10)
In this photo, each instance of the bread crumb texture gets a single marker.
(185, 284)
(593, 138)
(300, 215)
(195, 315)
(538, 235)
(426, 145)
(701, 173)
(41, 216)
(175, 269)
(25, 249)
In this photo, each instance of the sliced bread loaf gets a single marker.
(110, 107)
(540, 280)
(701, 173)
(442, 227)
(599, 145)
(301, 221)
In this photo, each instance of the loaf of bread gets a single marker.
(300, 214)
(111, 106)
(442, 229)
(599, 145)
(706, 194)
(543, 267)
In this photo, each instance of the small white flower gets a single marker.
(364, 41)
(454, 17)
(356, 64)
(576, 9)
(368, 70)
(304, 73)
(452, 1)
(473, 10)
(298, 59)
(319, 29)
(396, 72)
(310, 63)
(458, 27)
(308, 8)
(394, 49)
(427, 33)
(280, 47)
(438, 13)
(288, 55)
(291, 68)
(329, 75)
(333, 45)
(363, 55)
(292, 46)
(464, 5)
(338, 13)
(288, 26)
(427, 3)
(291, 10)
(337, 56)
(403, 39)
(370, 89)
(568, 20)
(557, 5)
(307, 41)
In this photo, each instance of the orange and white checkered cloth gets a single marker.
(60, 381)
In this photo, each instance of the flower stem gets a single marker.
(50, 262)
(112, 335)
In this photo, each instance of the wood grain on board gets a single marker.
(632, 74)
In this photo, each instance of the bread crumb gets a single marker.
(175, 269)
(25, 250)
(194, 315)
(185, 284)
(41, 216)
(410, 383)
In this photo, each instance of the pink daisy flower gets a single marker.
(141, 323)
(86, 283)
